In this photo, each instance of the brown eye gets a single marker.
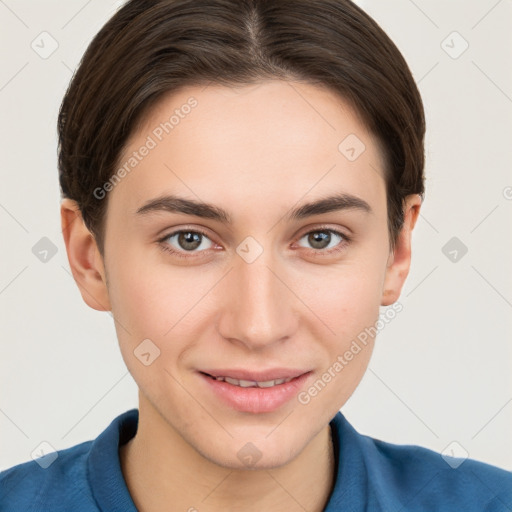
(324, 239)
(187, 241)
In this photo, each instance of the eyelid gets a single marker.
(185, 229)
(326, 227)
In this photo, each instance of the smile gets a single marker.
(254, 391)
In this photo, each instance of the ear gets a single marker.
(399, 260)
(84, 257)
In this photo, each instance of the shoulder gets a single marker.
(423, 479)
(57, 480)
(377, 475)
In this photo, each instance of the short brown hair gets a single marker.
(153, 47)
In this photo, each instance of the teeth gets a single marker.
(267, 384)
(247, 383)
(252, 383)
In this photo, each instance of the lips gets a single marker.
(255, 391)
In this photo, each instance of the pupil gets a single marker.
(319, 237)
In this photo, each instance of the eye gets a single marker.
(185, 241)
(326, 240)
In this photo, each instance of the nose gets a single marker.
(259, 308)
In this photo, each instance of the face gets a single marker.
(234, 297)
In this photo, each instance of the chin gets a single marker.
(259, 454)
(255, 462)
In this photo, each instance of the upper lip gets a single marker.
(257, 376)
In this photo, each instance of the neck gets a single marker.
(161, 468)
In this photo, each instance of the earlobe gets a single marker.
(84, 257)
(399, 261)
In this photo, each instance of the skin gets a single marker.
(257, 152)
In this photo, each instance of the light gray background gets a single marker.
(441, 371)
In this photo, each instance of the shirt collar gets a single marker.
(350, 491)
(104, 468)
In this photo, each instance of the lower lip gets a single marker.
(255, 400)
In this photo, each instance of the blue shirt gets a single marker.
(371, 475)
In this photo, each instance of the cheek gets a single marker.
(150, 305)
(147, 299)
(349, 299)
(350, 307)
(170, 305)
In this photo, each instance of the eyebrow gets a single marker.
(175, 204)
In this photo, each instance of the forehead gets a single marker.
(273, 142)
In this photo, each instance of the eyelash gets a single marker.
(182, 254)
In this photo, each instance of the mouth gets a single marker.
(255, 392)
